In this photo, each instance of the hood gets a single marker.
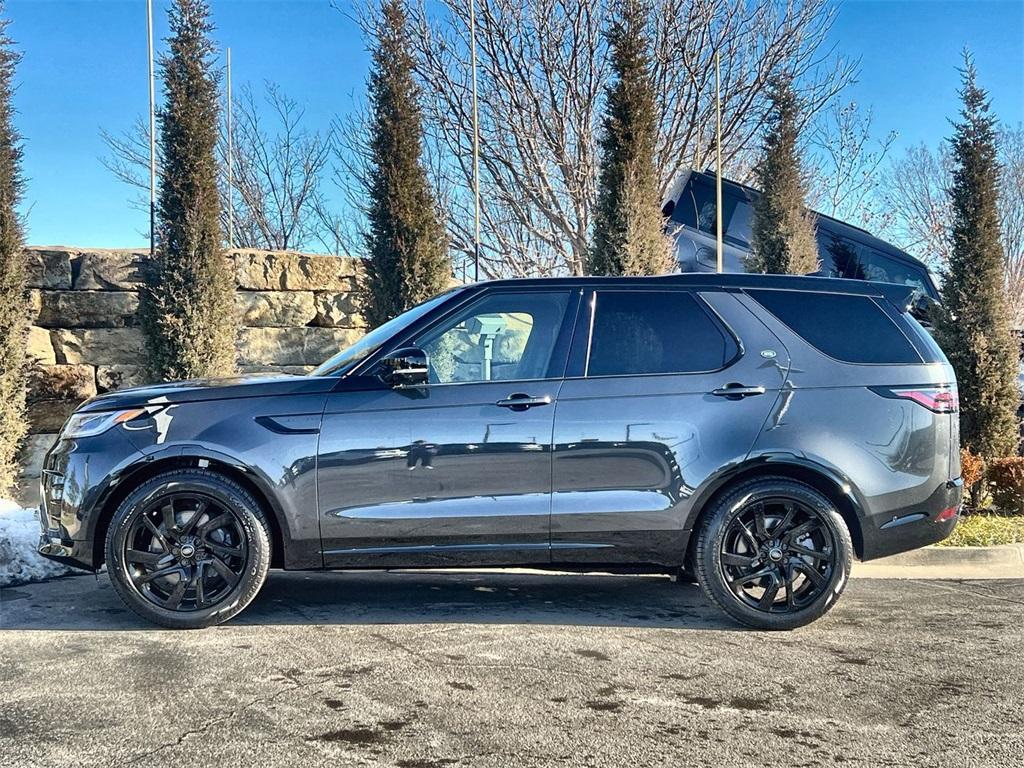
(201, 390)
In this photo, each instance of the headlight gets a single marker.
(92, 424)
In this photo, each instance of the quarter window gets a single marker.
(853, 329)
(638, 332)
(501, 337)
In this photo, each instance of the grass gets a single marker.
(984, 529)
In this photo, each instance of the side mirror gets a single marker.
(406, 367)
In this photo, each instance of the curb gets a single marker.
(1004, 555)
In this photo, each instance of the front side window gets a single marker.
(640, 332)
(501, 337)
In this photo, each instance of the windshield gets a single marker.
(371, 342)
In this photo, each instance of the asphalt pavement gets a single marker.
(423, 670)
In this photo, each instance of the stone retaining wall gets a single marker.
(295, 310)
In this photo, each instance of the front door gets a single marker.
(457, 471)
(648, 417)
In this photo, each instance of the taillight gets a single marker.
(941, 399)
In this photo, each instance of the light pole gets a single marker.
(718, 161)
(231, 161)
(476, 144)
(152, 131)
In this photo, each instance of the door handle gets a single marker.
(521, 402)
(737, 391)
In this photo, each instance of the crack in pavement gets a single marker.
(949, 587)
(222, 719)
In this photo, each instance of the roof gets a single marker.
(900, 295)
(868, 238)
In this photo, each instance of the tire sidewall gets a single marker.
(225, 493)
(708, 560)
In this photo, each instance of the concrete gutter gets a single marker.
(1001, 562)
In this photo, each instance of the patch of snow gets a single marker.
(19, 536)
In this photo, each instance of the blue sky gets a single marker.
(85, 60)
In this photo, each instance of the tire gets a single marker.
(802, 560)
(197, 565)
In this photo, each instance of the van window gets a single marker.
(857, 261)
(853, 329)
(741, 223)
(637, 332)
(696, 209)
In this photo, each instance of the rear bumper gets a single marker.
(913, 527)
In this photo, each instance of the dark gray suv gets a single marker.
(756, 432)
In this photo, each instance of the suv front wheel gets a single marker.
(773, 553)
(188, 548)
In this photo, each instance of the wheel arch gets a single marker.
(133, 476)
(827, 480)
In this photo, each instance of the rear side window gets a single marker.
(853, 329)
(639, 332)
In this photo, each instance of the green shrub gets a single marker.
(628, 236)
(187, 302)
(406, 240)
(13, 304)
(1006, 484)
(986, 530)
(782, 235)
(974, 327)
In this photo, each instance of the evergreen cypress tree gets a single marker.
(188, 302)
(782, 237)
(406, 240)
(13, 305)
(629, 234)
(973, 327)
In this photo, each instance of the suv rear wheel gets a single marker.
(773, 553)
(188, 549)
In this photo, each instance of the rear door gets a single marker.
(666, 387)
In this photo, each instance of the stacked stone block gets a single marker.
(295, 310)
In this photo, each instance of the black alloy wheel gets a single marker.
(188, 548)
(185, 551)
(777, 555)
(773, 553)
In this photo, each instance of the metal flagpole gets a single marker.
(152, 132)
(718, 161)
(476, 144)
(231, 164)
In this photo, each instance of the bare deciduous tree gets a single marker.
(279, 169)
(845, 161)
(277, 173)
(916, 196)
(541, 68)
(1011, 212)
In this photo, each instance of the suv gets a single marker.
(755, 431)
(843, 249)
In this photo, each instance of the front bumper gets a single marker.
(76, 479)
